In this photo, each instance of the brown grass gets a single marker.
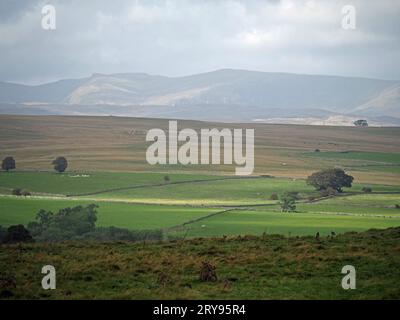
(118, 144)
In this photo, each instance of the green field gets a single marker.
(381, 200)
(194, 189)
(124, 215)
(225, 192)
(228, 192)
(238, 222)
(145, 206)
(143, 199)
(349, 209)
(84, 182)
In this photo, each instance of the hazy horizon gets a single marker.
(193, 74)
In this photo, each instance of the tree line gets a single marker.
(71, 224)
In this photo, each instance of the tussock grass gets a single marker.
(248, 267)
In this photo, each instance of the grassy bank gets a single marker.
(269, 267)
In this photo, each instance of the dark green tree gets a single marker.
(330, 178)
(288, 203)
(60, 164)
(8, 163)
(3, 232)
(66, 224)
(16, 234)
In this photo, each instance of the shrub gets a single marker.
(274, 196)
(328, 192)
(7, 285)
(167, 179)
(16, 234)
(3, 232)
(366, 189)
(208, 272)
(20, 192)
(397, 206)
(16, 192)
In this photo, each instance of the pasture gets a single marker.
(124, 215)
(257, 222)
(202, 207)
(107, 166)
(259, 252)
(118, 144)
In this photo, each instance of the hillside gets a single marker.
(222, 95)
(267, 267)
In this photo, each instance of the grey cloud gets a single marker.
(176, 37)
(11, 9)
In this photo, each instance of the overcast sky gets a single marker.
(185, 37)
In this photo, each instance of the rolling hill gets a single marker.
(222, 95)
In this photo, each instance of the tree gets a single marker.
(361, 123)
(8, 163)
(288, 203)
(16, 192)
(66, 224)
(330, 178)
(17, 234)
(60, 164)
(3, 232)
(20, 192)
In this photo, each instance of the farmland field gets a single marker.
(124, 215)
(111, 171)
(257, 222)
(205, 212)
(118, 144)
(83, 182)
(249, 198)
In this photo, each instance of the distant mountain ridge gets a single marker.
(227, 95)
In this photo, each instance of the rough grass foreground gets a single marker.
(267, 267)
